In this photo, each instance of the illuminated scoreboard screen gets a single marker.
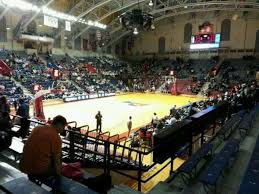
(205, 41)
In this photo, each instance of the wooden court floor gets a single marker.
(116, 110)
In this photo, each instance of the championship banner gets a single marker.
(68, 26)
(98, 35)
(56, 73)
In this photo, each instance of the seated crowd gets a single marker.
(85, 75)
(232, 74)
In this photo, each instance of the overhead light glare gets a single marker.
(135, 32)
(27, 6)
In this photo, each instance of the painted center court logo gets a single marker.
(135, 103)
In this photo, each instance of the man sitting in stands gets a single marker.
(41, 157)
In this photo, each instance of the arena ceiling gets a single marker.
(107, 11)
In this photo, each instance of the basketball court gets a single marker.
(116, 110)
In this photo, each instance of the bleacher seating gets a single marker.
(189, 168)
(250, 182)
(22, 186)
(233, 72)
(217, 166)
(69, 186)
(246, 123)
(10, 90)
(229, 126)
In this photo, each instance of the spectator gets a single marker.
(173, 110)
(98, 118)
(154, 120)
(41, 158)
(23, 109)
(129, 125)
(4, 106)
(49, 121)
(5, 131)
(5, 122)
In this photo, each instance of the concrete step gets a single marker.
(25, 90)
(164, 188)
(120, 189)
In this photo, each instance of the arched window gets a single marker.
(161, 45)
(225, 30)
(187, 33)
(257, 42)
(3, 30)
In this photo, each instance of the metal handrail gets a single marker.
(101, 134)
(71, 122)
(116, 135)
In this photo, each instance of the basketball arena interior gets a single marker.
(129, 96)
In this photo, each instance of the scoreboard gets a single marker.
(205, 41)
(205, 38)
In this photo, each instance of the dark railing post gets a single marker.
(190, 146)
(202, 137)
(71, 146)
(139, 173)
(214, 128)
(105, 157)
(172, 165)
(108, 157)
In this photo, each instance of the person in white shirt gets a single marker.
(171, 121)
(154, 120)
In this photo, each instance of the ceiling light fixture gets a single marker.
(150, 3)
(135, 32)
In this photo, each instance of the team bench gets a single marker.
(189, 168)
(216, 167)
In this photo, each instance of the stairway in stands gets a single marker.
(76, 85)
(204, 89)
(160, 88)
(26, 92)
(20, 26)
(122, 189)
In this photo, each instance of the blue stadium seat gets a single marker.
(190, 165)
(250, 182)
(22, 186)
(216, 167)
